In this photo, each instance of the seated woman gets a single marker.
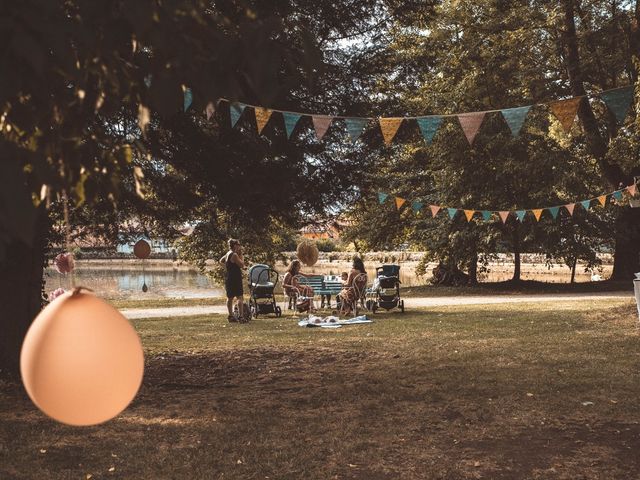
(348, 295)
(291, 284)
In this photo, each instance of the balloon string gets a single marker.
(67, 234)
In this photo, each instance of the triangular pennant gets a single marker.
(470, 123)
(417, 206)
(515, 118)
(236, 112)
(554, 211)
(618, 101)
(210, 110)
(585, 204)
(355, 127)
(603, 200)
(570, 207)
(399, 202)
(565, 111)
(429, 126)
(537, 212)
(520, 214)
(504, 216)
(486, 215)
(452, 212)
(434, 210)
(617, 195)
(188, 98)
(290, 121)
(469, 214)
(382, 197)
(321, 124)
(632, 190)
(389, 127)
(262, 117)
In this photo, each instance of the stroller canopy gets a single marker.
(388, 271)
(260, 274)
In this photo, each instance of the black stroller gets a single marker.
(385, 291)
(262, 283)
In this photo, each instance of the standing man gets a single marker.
(234, 264)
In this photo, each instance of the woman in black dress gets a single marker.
(234, 264)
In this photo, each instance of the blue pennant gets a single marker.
(382, 197)
(290, 121)
(429, 126)
(554, 211)
(515, 118)
(188, 98)
(355, 127)
(417, 206)
(617, 195)
(486, 214)
(236, 112)
(452, 212)
(520, 214)
(618, 101)
(585, 204)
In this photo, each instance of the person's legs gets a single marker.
(230, 306)
(240, 306)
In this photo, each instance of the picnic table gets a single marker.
(324, 285)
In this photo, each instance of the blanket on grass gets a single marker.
(332, 321)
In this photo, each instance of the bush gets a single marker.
(326, 245)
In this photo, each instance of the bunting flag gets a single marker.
(452, 212)
(389, 127)
(515, 118)
(321, 124)
(632, 190)
(355, 127)
(520, 214)
(434, 209)
(617, 195)
(262, 117)
(429, 126)
(503, 216)
(470, 123)
(399, 202)
(382, 197)
(618, 101)
(554, 212)
(236, 110)
(565, 111)
(210, 110)
(290, 121)
(417, 206)
(585, 204)
(486, 215)
(537, 212)
(469, 214)
(570, 207)
(188, 98)
(603, 200)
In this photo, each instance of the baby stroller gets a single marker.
(262, 282)
(385, 291)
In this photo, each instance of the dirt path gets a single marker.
(410, 302)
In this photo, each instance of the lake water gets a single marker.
(164, 279)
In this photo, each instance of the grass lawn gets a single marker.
(496, 391)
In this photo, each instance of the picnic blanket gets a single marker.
(331, 321)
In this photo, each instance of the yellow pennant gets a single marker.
(537, 212)
(399, 202)
(603, 200)
(262, 117)
(389, 128)
(469, 214)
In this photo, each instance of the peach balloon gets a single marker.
(81, 360)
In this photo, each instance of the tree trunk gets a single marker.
(21, 274)
(626, 259)
(473, 270)
(516, 254)
(573, 270)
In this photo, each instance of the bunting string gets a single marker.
(504, 215)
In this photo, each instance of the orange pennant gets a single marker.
(504, 216)
(603, 200)
(565, 111)
(399, 202)
(210, 110)
(469, 214)
(632, 189)
(570, 207)
(389, 128)
(321, 124)
(434, 209)
(537, 212)
(262, 117)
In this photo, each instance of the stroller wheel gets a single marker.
(278, 312)
(402, 306)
